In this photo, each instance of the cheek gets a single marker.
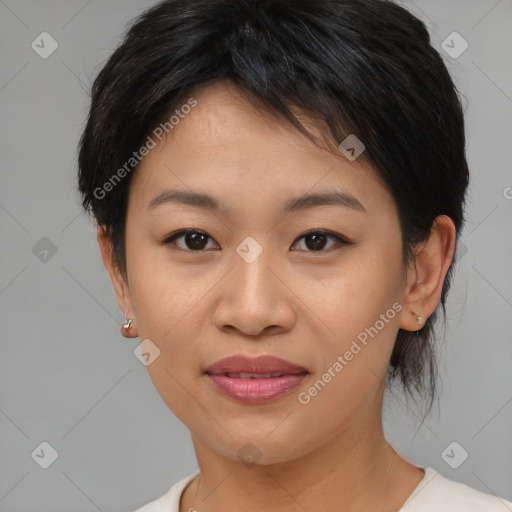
(167, 314)
(359, 306)
(170, 303)
(358, 292)
(161, 294)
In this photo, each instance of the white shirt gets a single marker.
(434, 493)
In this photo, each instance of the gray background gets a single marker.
(67, 375)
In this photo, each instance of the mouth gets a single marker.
(253, 380)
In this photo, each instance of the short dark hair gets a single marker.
(363, 67)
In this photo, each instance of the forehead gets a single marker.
(226, 144)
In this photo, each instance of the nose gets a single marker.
(255, 299)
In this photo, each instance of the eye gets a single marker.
(316, 240)
(194, 240)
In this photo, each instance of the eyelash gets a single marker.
(167, 242)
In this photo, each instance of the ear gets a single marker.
(120, 286)
(426, 274)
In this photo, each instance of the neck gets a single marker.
(353, 471)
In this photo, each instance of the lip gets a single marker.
(261, 364)
(255, 390)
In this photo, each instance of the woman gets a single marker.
(278, 189)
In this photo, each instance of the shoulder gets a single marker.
(436, 492)
(170, 501)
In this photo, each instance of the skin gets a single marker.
(293, 302)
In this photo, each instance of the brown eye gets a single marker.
(193, 240)
(316, 241)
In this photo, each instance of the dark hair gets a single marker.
(363, 67)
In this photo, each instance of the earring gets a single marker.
(125, 328)
(419, 320)
(127, 323)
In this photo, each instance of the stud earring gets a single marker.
(127, 323)
(125, 328)
(419, 320)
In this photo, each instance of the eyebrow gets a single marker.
(300, 203)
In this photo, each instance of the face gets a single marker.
(250, 279)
